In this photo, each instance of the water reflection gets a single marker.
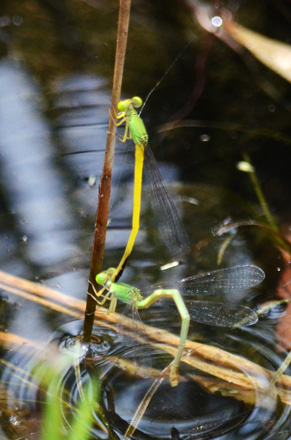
(34, 187)
(195, 413)
(43, 221)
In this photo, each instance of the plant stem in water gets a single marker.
(106, 177)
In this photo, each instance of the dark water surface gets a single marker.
(56, 65)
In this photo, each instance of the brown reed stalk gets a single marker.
(106, 177)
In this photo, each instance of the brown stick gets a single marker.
(106, 177)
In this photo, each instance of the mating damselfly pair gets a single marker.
(183, 292)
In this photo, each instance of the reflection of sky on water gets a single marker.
(33, 184)
(47, 230)
(81, 108)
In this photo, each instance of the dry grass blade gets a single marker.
(145, 403)
(274, 54)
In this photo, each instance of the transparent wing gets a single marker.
(223, 281)
(172, 231)
(130, 321)
(220, 314)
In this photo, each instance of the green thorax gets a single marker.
(126, 293)
(136, 127)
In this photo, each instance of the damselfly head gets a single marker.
(135, 102)
(122, 106)
(106, 276)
